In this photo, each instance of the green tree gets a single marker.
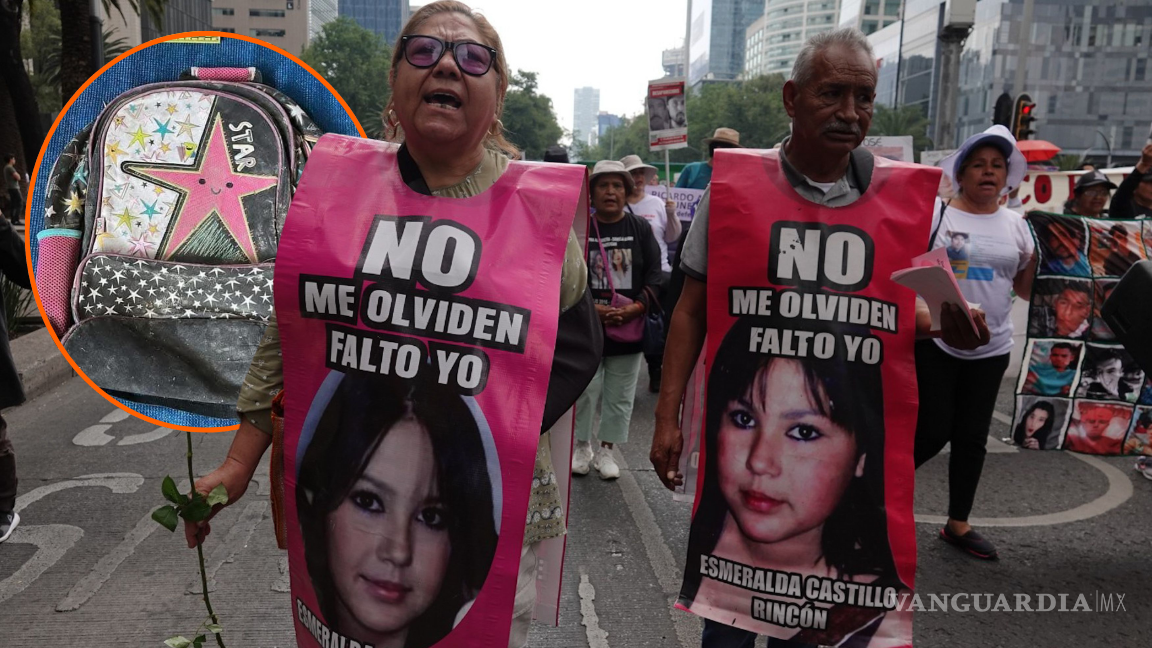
(76, 63)
(529, 121)
(356, 62)
(754, 107)
(905, 120)
(21, 132)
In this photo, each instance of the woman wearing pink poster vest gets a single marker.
(449, 79)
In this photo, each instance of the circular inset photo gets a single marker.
(398, 495)
(159, 199)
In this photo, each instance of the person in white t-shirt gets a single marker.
(661, 215)
(958, 388)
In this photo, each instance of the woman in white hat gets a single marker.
(628, 251)
(958, 388)
(661, 215)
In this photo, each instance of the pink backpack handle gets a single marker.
(224, 73)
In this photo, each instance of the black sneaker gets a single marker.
(970, 542)
(8, 522)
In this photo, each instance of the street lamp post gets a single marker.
(1109, 144)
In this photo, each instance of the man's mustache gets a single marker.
(841, 127)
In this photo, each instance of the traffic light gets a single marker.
(1003, 112)
(1023, 115)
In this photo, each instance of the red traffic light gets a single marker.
(1022, 117)
(1027, 109)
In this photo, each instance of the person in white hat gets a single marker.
(623, 262)
(661, 215)
(958, 388)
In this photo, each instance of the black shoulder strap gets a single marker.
(936, 230)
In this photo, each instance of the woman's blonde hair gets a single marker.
(495, 138)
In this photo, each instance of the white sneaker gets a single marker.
(606, 464)
(581, 457)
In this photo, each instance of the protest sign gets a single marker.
(933, 158)
(898, 147)
(1049, 190)
(416, 360)
(686, 199)
(802, 523)
(1079, 389)
(667, 115)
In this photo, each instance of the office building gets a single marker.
(869, 16)
(1086, 68)
(775, 38)
(604, 121)
(179, 16)
(673, 62)
(585, 115)
(320, 13)
(385, 18)
(717, 36)
(283, 23)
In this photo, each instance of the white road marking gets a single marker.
(97, 435)
(284, 582)
(597, 638)
(145, 437)
(52, 542)
(116, 482)
(1119, 491)
(90, 584)
(688, 626)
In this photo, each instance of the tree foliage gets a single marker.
(529, 121)
(356, 62)
(753, 107)
(905, 120)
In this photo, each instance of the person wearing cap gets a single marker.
(1133, 199)
(697, 175)
(1090, 195)
(958, 387)
(661, 215)
(830, 101)
(623, 258)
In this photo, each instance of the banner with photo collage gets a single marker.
(1079, 389)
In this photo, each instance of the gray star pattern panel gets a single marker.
(112, 284)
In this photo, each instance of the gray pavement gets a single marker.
(88, 568)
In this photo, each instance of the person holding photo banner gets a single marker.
(821, 172)
(1133, 199)
(449, 79)
(958, 387)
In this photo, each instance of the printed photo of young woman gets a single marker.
(1040, 422)
(794, 479)
(398, 506)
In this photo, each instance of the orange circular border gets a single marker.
(36, 171)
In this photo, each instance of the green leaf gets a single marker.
(219, 495)
(198, 641)
(178, 642)
(168, 488)
(197, 510)
(213, 628)
(167, 518)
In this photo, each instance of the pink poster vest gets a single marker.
(418, 335)
(802, 524)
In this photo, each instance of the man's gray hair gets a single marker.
(849, 37)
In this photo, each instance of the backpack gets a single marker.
(161, 225)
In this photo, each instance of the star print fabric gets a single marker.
(127, 286)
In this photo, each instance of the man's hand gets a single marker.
(667, 444)
(1145, 163)
(957, 332)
